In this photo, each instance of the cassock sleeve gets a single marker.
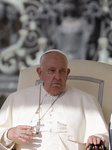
(84, 116)
(6, 123)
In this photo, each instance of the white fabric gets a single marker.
(6, 140)
(54, 132)
(82, 112)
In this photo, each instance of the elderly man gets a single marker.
(52, 115)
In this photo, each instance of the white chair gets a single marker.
(90, 76)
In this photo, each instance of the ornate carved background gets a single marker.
(80, 28)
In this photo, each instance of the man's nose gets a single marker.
(57, 75)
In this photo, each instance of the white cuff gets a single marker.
(6, 140)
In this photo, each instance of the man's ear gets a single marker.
(39, 72)
(68, 71)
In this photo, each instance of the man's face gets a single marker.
(53, 72)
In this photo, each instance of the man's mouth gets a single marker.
(57, 83)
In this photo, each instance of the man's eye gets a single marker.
(62, 71)
(51, 71)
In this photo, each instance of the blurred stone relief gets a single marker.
(82, 29)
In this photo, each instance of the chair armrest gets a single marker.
(100, 146)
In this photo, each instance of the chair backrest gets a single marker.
(92, 77)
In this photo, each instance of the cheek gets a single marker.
(43, 76)
(64, 78)
(47, 79)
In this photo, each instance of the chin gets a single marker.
(55, 94)
(56, 91)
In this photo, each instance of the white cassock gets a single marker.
(65, 126)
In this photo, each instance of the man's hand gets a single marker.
(20, 133)
(94, 140)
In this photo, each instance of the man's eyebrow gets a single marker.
(63, 69)
(51, 68)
